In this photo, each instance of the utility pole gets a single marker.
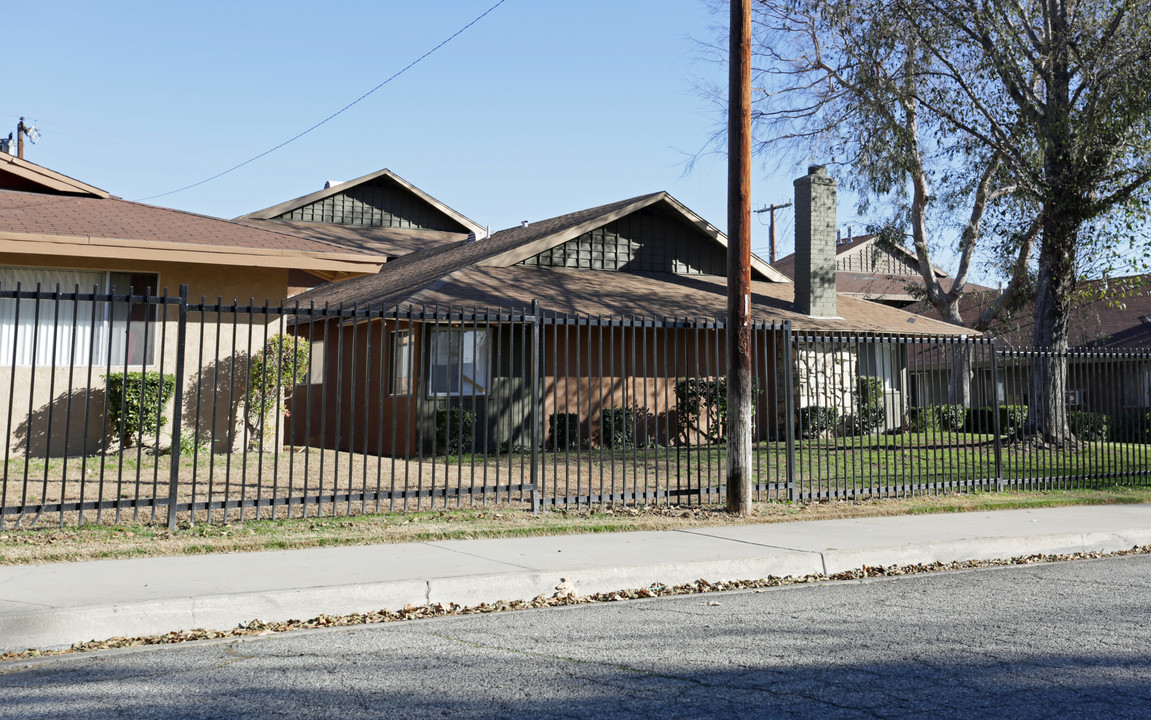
(739, 261)
(21, 131)
(771, 209)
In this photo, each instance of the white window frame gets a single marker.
(474, 341)
(402, 361)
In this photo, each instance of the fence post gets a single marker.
(536, 360)
(995, 417)
(177, 406)
(789, 408)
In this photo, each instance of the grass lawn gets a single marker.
(43, 544)
(344, 483)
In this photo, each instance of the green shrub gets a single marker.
(947, 418)
(455, 430)
(564, 431)
(701, 403)
(618, 426)
(136, 402)
(1133, 426)
(982, 419)
(950, 417)
(1088, 426)
(273, 373)
(817, 421)
(870, 414)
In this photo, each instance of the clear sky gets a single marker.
(540, 108)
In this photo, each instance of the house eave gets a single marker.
(337, 265)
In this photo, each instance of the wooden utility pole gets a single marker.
(771, 243)
(739, 261)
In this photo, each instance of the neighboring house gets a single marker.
(57, 231)
(645, 257)
(380, 213)
(1109, 333)
(870, 270)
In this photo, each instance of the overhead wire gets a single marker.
(334, 115)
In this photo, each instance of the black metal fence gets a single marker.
(155, 408)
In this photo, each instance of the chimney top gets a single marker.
(820, 170)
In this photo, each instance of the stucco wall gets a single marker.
(45, 408)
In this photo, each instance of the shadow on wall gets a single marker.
(213, 404)
(62, 427)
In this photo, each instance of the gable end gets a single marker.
(652, 239)
(381, 202)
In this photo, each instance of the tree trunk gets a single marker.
(1046, 407)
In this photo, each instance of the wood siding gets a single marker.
(871, 258)
(379, 203)
(651, 240)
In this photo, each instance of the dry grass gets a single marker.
(41, 544)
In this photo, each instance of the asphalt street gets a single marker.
(1038, 641)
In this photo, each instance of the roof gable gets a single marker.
(380, 199)
(696, 243)
(21, 175)
(863, 254)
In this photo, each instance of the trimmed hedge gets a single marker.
(947, 418)
(1089, 426)
(982, 420)
(817, 421)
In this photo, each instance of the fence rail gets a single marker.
(152, 407)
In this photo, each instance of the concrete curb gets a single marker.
(60, 627)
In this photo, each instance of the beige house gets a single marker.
(56, 231)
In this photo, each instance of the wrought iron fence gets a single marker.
(159, 409)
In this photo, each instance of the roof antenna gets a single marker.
(23, 130)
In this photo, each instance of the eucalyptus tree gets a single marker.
(841, 79)
(1042, 104)
(1059, 91)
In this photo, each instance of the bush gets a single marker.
(817, 421)
(982, 420)
(702, 403)
(870, 415)
(618, 426)
(1089, 426)
(455, 430)
(947, 418)
(279, 367)
(136, 402)
(1132, 426)
(564, 431)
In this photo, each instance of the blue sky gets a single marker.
(541, 108)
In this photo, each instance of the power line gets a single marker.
(339, 112)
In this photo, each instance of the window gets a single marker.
(458, 362)
(400, 342)
(46, 332)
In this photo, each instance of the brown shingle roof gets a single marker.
(389, 242)
(600, 292)
(41, 214)
(408, 274)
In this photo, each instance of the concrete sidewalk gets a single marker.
(55, 605)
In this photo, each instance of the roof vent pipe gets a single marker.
(523, 223)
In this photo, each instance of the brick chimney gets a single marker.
(815, 243)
